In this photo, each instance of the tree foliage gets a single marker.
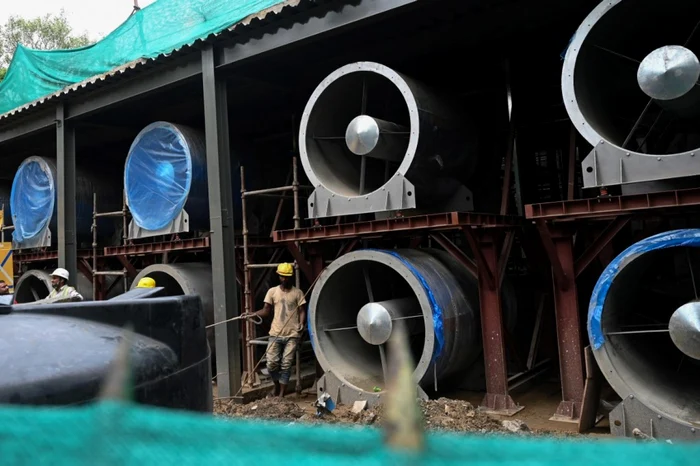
(48, 32)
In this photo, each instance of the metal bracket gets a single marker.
(631, 414)
(397, 194)
(608, 165)
(42, 240)
(180, 224)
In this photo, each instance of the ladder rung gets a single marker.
(110, 214)
(110, 273)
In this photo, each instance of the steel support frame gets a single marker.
(224, 285)
(65, 187)
(559, 249)
(486, 245)
(558, 242)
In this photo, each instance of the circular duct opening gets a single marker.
(183, 279)
(639, 356)
(32, 198)
(358, 129)
(608, 76)
(167, 281)
(158, 175)
(340, 346)
(32, 286)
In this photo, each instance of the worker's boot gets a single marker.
(283, 389)
(275, 391)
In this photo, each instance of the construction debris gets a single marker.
(441, 414)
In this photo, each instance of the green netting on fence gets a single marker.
(161, 27)
(111, 434)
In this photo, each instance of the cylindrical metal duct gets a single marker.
(630, 86)
(373, 140)
(34, 205)
(34, 285)
(193, 278)
(360, 295)
(166, 171)
(640, 296)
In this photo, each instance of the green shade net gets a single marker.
(122, 434)
(159, 28)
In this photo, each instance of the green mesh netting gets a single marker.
(112, 433)
(159, 28)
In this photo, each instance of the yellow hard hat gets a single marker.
(285, 269)
(146, 282)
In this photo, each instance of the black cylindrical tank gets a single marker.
(59, 354)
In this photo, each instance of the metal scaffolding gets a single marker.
(250, 378)
(98, 275)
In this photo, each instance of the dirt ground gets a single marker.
(441, 414)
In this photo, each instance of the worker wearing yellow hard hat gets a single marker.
(289, 306)
(285, 269)
(146, 282)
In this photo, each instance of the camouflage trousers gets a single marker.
(280, 357)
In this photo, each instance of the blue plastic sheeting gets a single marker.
(33, 198)
(438, 326)
(669, 239)
(165, 170)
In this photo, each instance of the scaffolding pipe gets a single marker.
(249, 329)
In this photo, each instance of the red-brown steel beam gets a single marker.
(440, 221)
(303, 264)
(457, 253)
(130, 269)
(613, 205)
(153, 248)
(484, 271)
(497, 399)
(560, 277)
(85, 268)
(505, 255)
(600, 243)
(20, 256)
(347, 247)
(568, 333)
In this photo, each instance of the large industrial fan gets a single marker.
(630, 86)
(644, 328)
(373, 140)
(361, 296)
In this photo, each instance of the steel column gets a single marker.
(65, 161)
(497, 399)
(223, 265)
(568, 333)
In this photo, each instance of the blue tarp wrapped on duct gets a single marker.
(33, 198)
(33, 202)
(665, 240)
(165, 172)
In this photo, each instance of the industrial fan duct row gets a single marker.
(630, 86)
(383, 119)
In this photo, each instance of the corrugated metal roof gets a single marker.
(255, 21)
